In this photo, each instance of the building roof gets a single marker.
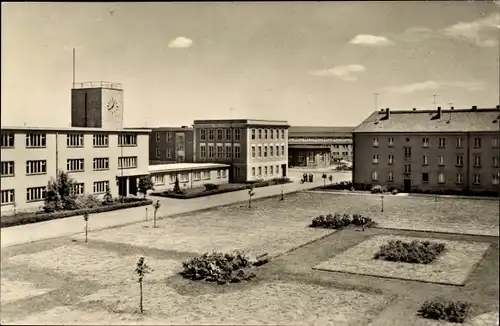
(318, 129)
(425, 121)
(74, 129)
(174, 167)
(310, 146)
(154, 129)
(327, 142)
(245, 122)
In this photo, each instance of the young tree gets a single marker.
(156, 206)
(177, 188)
(107, 198)
(86, 219)
(60, 193)
(141, 270)
(324, 179)
(330, 177)
(251, 193)
(145, 184)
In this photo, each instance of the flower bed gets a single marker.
(450, 311)
(28, 218)
(338, 221)
(416, 252)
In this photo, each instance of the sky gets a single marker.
(310, 63)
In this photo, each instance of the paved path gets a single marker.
(73, 225)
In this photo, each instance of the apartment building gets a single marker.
(254, 149)
(308, 145)
(455, 149)
(171, 145)
(95, 158)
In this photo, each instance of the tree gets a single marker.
(177, 188)
(60, 193)
(324, 179)
(141, 270)
(86, 219)
(145, 184)
(156, 206)
(107, 198)
(251, 193)
(330, 177)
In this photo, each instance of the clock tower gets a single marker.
(97, 105)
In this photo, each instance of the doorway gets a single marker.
(132, 185)
(283, 169)
(407, 185)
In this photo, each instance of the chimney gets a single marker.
(439, 113)
(452, 108)
(414, 109)
(387, 113)
(474, 107)
(498, 107)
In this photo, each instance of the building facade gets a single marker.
(171, 145)
(429, 150)
(336, 140)
(95, 158)
(190, 175)
(254, 149)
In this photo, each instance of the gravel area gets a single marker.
(12, 290)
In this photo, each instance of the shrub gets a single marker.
(378, 190)
(211, 187)
(107, 198)
(338, 221)
(145, 184)
(416, 252)
(218, 267)
(441, 309)
(59, 193)
(88, 201)
(177, 188)
(394, 191)
(280, 180)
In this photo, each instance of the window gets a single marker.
(425, 177)
(169, 136)
(265, 151)
(425, 142)
(253, 133)
(277, 169)
(237, 151)
(184, 177)
(260, 134)
(210, 150)
(101, 163)
(442, 142)
(7, 140)
(74, 140)
(375, 142)
(219, 134)
(218, 174)
(77, 189)
(229, 152)
(203, 150)
(322, 157)
(157, 137)
(35, 194)
(477, 142)
(253, 172)
(236, 173)
(390, 176)
(459, 178)
(494, 164)
(407, 151)
(100, 140)
(477, 161)
(391, 159)
(75, 165)
(407, 168)
(374, 176)
(282, 134)
(425, 160)
(375, 159)
(158, 153)
(220, 150)
(441, 160)
(253, 150)
(301, 157)
(100, 187)
(271, 168)
(173, 177)
(196, 175)
(169, 153)
(265, 133)
(128, 162)
(277, 150)
(203, 134)
(441, 178)
(224, 173)
(8, 197)
(228, 134)
(391, 142)
(477, 179)
(206, 175)
(271, 151)
(210, 134)
(265, 171)
(127, 140)
(158, 179)
(282, 150)
(259, 151)
(459, 143)
(311, 157)
(271, 135)
(495, 179)
(36, 140)
(260, 171)
(495, 143)
(460, 160)
(237, 134)
(36, 167)
(8, 168)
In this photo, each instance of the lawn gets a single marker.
(12, 290)
(452, 267)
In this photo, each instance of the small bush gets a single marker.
(394, 191)
(416, 252)
(211, 187)
(88, 201)
(338, 221)
(378, 190)
(218, 267)
(450, 311)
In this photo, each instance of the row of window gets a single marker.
(72, 165)
(169, 136)
(495, 142)
(311, 157)
(338, 153)
(440, 160)
(73, 140)
(222, 151)
(220, 134)
(262, 151)
(318, 138)
(159, 179)
(268, 134)
(264, 171)
(38, 193)
(441, 178)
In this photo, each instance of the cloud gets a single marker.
(180, 42)
(433, 85)
(370, 40)
(342, 72)
(483, 32)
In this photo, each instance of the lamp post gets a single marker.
(282, 193)
(382, 197)
(86, 219)
(156, 206)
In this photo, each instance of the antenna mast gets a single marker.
(434, 100)
(376, 102)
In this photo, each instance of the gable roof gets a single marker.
(463, 120)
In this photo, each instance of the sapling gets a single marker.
(324, 179)
(86, 219)
(330, 177)
(156, 206)
(141, 270)
(251, 193)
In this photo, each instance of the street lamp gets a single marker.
(382, 197)
(156, 206)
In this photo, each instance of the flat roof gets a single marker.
(257, 122)
(74, 129)
(185, 167)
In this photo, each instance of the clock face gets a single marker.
(113, 106)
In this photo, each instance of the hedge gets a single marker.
(14, 220)
(447, 310)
